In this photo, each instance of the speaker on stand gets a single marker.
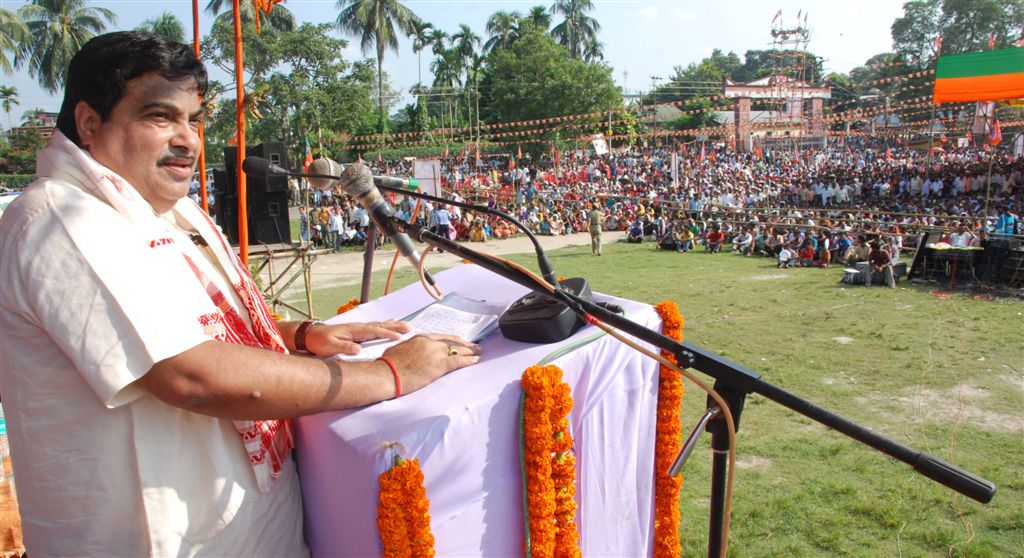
(267, 198)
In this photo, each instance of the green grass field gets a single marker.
(942, 374)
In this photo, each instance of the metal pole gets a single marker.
(243, 217)
(202, 133)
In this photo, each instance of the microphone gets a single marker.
(357, 182)
(258, 166)
(323, 173)
(323, 167)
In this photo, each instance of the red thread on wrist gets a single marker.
(394, 372)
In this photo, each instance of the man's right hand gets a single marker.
(424, 358)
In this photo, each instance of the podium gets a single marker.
(464, 429)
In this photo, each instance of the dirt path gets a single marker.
(345, 268)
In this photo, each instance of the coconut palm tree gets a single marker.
(593, 50)
(465, 43)
(578, 28)
(8, 99)
(447, 69)
(503, 28)
(421, 40)
(374, 21)
(13, 33)
(438, 39)
(59, 28)
(279, 18)
(166, 25)
(537, 17)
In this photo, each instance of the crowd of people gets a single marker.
(809, 208)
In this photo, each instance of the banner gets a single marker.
(600, 145)
(428, 173)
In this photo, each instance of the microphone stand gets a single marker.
(734, 382)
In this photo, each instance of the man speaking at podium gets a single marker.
(144, 381)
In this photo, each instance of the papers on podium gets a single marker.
(452, 315)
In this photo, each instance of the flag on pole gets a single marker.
(701, 158)
(309, 157)
(379, 159)
(992, 41)
(938, 45)
(995, 135)
(445, 151)
(778, 14)
(519, 151)
(1019, 43)
(359, 158)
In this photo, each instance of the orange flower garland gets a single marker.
(549, 467)
(348, 306)
(668, 441)
(403, 512)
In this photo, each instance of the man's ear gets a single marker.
(87, 122)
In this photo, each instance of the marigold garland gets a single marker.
(348, 306)
(403, 512)
(668, 441)
(549, 465)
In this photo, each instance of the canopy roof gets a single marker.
(992, 75)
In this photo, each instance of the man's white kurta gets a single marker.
(104, 468)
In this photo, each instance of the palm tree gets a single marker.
(421, 40)
(593, 50)
(447, 69)
(32, 117)
(374, 21)
(13, 33)
(8, 99)
(165, 25)
(538, 17)
(279, 18)
(59, 28)
(503, 27)
(578, 28)
(437, 40)
(464, 43)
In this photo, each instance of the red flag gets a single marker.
(511, 163)
(445, 151)
(995, 134)
(992, 41)
(1019, 43)
(519, 152)
(701, 152)
(938, 45)
(378, 157)
(778, 14)
(461, 154)
(478, 151)
(714, 156)
(558, 156)
(970, 138)
(888, 154)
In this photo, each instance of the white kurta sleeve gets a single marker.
(114, 302)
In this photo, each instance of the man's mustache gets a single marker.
(176, 159)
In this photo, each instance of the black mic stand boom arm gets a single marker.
(730, 374)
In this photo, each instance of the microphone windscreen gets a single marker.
(324, 166)
(256, 166)
(357, 181)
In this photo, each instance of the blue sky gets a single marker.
(642, 38)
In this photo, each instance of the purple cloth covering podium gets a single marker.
(464, 429)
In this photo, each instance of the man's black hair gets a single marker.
(100, 71)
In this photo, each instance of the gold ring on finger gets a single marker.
(452, 351)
